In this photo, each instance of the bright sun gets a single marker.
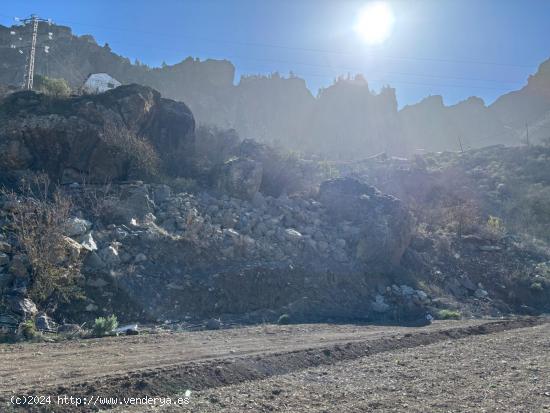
(375, 23)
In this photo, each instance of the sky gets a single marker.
(454, 48)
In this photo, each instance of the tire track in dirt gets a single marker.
(203, 374)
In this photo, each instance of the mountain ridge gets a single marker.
(282, 110)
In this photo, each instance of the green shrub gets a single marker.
(28, 330)
(52, 87)
(104, 326)
(495, 226)
(449, 315)
(284, 319)
(537, 287)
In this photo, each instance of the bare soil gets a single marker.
(507, 371)
(219, 364)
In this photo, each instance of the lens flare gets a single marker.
(375, 23)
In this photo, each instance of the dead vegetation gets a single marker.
(141, 157)
(38, 215)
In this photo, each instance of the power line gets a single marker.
(341, 68)
(336, 67)
(385, 80)
(296, 48)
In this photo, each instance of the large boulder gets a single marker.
(240, 177)
(133, 203)
(21, 305)
(86, 137)
(384, 226)
(77, 226)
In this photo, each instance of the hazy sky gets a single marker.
(457, 48)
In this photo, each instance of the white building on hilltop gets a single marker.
(99, 83)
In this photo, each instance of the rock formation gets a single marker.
(346, 120)
(94, 138)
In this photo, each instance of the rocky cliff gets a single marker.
(345, 120)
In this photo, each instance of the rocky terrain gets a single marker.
(114, 204)
(346, 120)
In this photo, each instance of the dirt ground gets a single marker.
(507, 371)
(31, 366)
(448, 366)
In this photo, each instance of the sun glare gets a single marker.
(375, 23)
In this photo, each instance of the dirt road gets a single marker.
(503, 372)
(167, 363)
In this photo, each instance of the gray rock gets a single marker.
(240, 178)
(87, 241)
(5, 247)
(385, 225)
(228, 220)
(77, 226)
(490, 248)
(213, 324)
(161, 193)
(4, 259)
(322, 245)
(109, 255)
(133, 205)
(72, 250)
(341, 243)
(258, 201)
(44, 323)
(93, 261)
(406, 290)
(467, 283)
(119, 234)
(481, 293)
(22, 305)
(422, 295)
(378, 305)
(292, 234)
(91, 307)
(141, 257)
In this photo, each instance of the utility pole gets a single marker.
(34, 20)
(30, 73)
(460, 143)
(527, 134)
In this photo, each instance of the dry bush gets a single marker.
(38, 217)
(463, 217)
(96, 199)
(141, 157)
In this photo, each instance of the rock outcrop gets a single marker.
(384, 225)
(95, 138)
(240, 177)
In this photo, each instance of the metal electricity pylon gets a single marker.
(34, 21)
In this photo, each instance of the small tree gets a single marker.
(104, 325)
(52, 87)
